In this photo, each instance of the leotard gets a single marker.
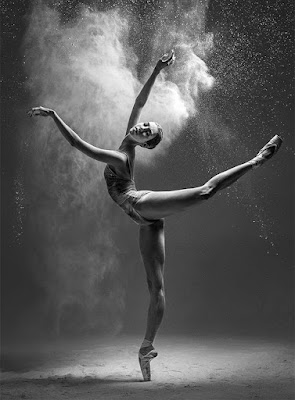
(124, 193)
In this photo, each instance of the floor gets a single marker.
(187, 368)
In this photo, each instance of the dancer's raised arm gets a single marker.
(141, 99)
(112, 157)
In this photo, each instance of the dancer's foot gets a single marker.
(267, 151)
(145, 356)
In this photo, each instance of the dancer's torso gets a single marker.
(119, 182)
(121, 188)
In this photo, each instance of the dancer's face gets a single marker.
(143, 132)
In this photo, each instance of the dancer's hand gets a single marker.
(42, 111)
(166, 60)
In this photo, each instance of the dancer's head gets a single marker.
(147, 134)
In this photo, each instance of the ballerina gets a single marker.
(149, 208)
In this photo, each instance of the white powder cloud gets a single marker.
(86, 71)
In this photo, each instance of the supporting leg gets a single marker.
(152, 249)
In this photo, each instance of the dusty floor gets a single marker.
(187, 368)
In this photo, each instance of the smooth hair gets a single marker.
(151, 144)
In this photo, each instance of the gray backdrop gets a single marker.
(70, 260)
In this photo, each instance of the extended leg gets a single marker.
(152, 249)
(160, 204)
(155, 205)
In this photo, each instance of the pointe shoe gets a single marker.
(267, 151)
(144, 362)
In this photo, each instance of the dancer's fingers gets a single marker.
(171, 61)
(33, 111)
(38, 111)
(169, 58)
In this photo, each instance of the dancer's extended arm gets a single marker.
(145, 91)
(112, 157)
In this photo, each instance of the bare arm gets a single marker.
(141, 99)
(112, 157)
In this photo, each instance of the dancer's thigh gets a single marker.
(155, 205)
(152, 248)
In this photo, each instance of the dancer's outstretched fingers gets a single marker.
(166, 60)
(42, 111)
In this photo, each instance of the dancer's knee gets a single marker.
(156, 286)
(156, 289)
(158, 297)
(208, 190)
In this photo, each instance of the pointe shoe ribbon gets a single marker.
(268, 150)
(274, 142)
(144, 362)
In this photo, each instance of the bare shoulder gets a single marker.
(117, 159)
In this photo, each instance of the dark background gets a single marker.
(229, 266)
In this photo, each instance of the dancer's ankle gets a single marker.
(146, 347)
(256, 162)
(146, 343)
